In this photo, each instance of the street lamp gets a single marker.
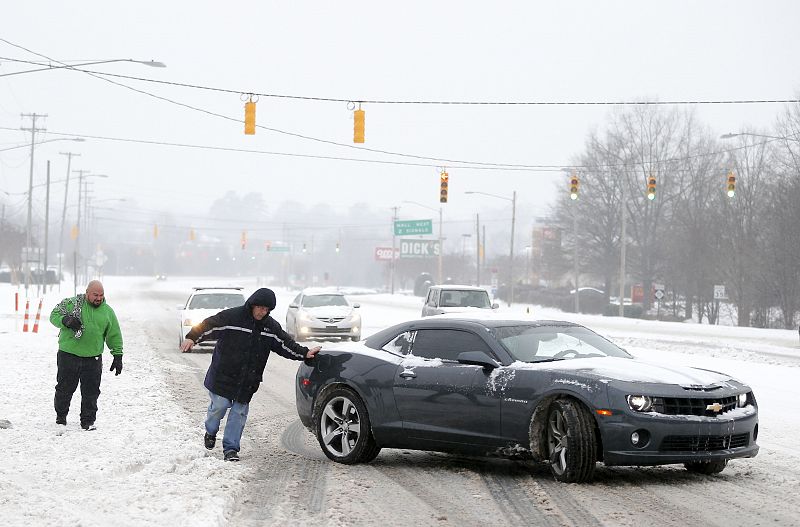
(151, 63)
(778, 138)
(513, 200)
(30, 201)
(441, 249)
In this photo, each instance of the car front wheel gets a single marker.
(706, 467)
(571, 444)
(343, 430)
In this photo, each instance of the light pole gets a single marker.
(441, 249)
(151, 63)
(513, 200)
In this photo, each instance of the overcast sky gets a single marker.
(445, 50)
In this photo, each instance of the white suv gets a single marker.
(204, 302)
(456, 298)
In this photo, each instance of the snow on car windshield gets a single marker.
(324, 300)
(216, 301)
(543, 343)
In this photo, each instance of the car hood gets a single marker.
(329, 311)
(632, 370)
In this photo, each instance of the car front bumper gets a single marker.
(677, 439)
(317, 329)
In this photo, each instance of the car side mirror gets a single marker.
(293, 306)
(180, 307)
(356, 305)
(477, 358)
(495, 306)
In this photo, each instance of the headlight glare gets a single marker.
(640, 403)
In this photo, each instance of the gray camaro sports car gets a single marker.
(552, 391)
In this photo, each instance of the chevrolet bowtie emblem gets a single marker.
(716, 407)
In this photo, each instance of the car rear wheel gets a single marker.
(343, 430)
(571, 444)
(706, 467)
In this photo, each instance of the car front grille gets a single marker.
(704, 443)
(330, 320)
(692, 405)
(330, 330)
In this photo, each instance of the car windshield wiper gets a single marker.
(550, 359)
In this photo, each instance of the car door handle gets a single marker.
(408, 374)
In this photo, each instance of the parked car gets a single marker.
(455, 298)
(204, 302)
(552, 391)
(321, 313)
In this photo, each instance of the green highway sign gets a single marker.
(404, 228)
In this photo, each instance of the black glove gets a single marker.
(116, 364)
(71, 322)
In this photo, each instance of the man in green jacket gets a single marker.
(86, 323)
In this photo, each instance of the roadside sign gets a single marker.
(719, 292)
(419, 248)
(404, 228)
(385, 253)
(658, 291)
(278, 249)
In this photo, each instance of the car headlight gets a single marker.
(187, 322)
(304, 316)
(741, 400)
(640, 403)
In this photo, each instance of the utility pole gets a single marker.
(46, 227)
(478, 249)
(28, 242)
(391, 272)
(69, 155)
(511, 257)
(622, 220)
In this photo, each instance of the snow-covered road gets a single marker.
(146, 465)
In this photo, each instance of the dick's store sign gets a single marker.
(419, 248)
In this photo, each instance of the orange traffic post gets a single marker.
(25, 319)
(36, 320)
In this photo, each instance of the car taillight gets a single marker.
(305, 382)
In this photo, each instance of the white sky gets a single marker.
(500, 51)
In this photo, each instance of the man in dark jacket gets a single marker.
(245, 336)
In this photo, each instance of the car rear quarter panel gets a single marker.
(369, 376)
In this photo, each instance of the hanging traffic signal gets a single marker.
(444, 179)
(155, 231)
(244, 240)
(250, 117)
(337, 247)
(268, 245)
(358, 126)
(573, 187)
(731, 185)
(651, 188)
(191, 235)
(73, 233)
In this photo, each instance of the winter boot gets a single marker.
(231, 455)
(210, 441)
(61, 420)
(88, 426)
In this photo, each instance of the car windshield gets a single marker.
(455, 298)
(547, 343)
(216, 301)
(324, 300)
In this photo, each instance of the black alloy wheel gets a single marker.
(571, 445)
(342, 428)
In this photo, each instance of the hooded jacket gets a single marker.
(243, 347)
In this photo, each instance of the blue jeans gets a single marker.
(234, 426)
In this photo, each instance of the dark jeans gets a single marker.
(71, 370)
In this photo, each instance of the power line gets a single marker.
(678, 102)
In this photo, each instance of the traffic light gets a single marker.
(337, 247)
(358, 126)
(573, 187)
(155, 231)
(268, 245)
(250, 117)
(651, 188)
(73, 233)
(244, 240)
(731, 185)
(443, 183)
(191, 235)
